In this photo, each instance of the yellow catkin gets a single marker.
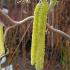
(34, 34)
(41, 36)
(2, 49)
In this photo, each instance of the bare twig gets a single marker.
(59, 32)
(15, 23)
(18, 23)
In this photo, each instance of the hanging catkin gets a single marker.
(41, 36)
(2, 49)
(35, 34)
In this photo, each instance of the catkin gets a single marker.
(2, 49)
(41, 36)
(34, 34)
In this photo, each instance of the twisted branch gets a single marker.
(16, 23)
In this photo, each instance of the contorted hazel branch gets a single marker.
(65, 35)
(16, 23)
(12, 22)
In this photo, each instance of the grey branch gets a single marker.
(16, 23)
(59, 32)
(12, 22)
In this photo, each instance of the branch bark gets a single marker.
(16, 23)
(5, 18)
(59, 32)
